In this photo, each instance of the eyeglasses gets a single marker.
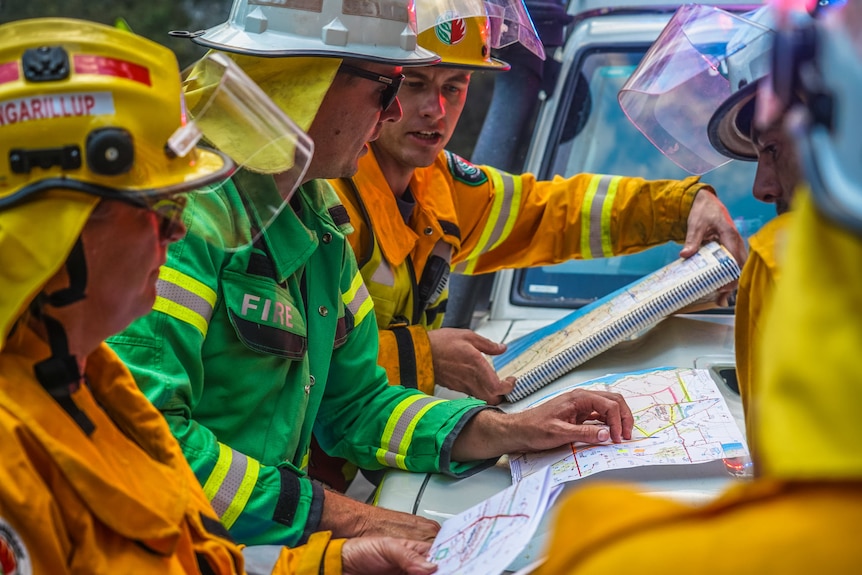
(393, 84)
(169, 210)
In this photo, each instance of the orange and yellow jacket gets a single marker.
(754, 295)
(477, 219)
(802, 511)
(116, 496)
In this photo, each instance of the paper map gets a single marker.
(487, 537)
(680, 418)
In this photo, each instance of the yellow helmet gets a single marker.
(86, 112)
(89, 107)
(462, 42)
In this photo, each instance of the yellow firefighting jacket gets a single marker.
(119, 498)
(756, 285)
(802, 513)
(480, 219)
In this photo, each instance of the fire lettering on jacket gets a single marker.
(271, 311)
(55, 106)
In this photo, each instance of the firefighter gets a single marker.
(800, 512)
(420, 211)
(91, 194)
(719, 127)
(252, 346)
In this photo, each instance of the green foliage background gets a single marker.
(150, 18)
(155, 18)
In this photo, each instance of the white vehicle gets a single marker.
(581, 128)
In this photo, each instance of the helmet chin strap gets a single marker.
(59, 374)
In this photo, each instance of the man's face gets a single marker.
(778, 170)
(432, 98)
(348, 118)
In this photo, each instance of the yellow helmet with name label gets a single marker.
(88, 107)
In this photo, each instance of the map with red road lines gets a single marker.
(680, 418)
(487, 537)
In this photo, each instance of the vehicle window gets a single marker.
(594, 136)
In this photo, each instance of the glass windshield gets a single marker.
(595, 136)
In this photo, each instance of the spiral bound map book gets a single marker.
(552, 351)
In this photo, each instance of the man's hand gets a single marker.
(556, 422)
(346, 517)
(385, 555)
(459, 364)
(709, 220)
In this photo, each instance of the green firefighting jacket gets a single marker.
(247, 352)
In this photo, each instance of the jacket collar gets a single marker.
(395, 237)
(149, 486)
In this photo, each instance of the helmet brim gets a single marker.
(229, 38)
(494, 65)
(729, 128)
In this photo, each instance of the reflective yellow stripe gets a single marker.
(499, 196)
(184, 298)
(357, 299)
(219, 472)
(231, 483)
(181, 313)
(305, 458)
(398, 433)
(586, 251)
(607, 208)
(507, 205)
(188, 282)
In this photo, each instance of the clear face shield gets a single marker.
(229, 112)
(703, 57)
(510, 24)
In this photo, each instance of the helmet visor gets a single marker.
(229, 112)
(511, 24)
(685, 77)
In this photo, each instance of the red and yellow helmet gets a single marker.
(463, 32)
(461, 41)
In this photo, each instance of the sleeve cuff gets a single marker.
(446, 449)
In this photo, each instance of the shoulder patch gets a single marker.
(464, 171)
(13, 554)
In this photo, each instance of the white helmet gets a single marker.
(376, 30)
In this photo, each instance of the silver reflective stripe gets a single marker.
(185, 298)
(403, 426)
(360, 297)
(505, 210)
(231, 483)
(383, 275)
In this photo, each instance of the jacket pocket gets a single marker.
(265, 316)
